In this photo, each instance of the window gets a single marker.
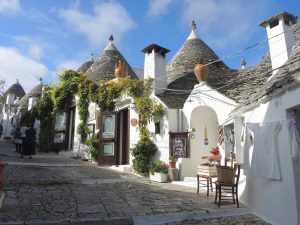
(108, 148)
(157, 127)
(274, 23)
(287, 22)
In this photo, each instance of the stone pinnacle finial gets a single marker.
(41, 79)
(17, 81)
(91, 57)
(193, 25)
(111, 37)
(243, 63)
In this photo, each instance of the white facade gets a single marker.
(275, 200)
(204, 109)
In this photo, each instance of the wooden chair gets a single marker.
(206, 173)
(227, 182)
(207, 183)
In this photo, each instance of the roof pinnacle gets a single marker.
(193, 25)
(91, 57)
(111, 38)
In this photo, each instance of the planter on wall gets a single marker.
(159, 177)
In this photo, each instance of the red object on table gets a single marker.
(215, 151)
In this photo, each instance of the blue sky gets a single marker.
(39, 38)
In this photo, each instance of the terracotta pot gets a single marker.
(172, 164)
(201, 71)
(119, 69)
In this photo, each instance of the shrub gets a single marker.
(158, 167)
(142, 152)
(92, 143)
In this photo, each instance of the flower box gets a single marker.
(159, 177)
(207, 170)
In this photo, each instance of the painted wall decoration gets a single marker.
(133, 122)
(205, 136)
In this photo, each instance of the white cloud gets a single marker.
(35, 51)
(69, 65)
(224, 22)
(108, 18)
(158, 7)
(7, 6)
(14, 65)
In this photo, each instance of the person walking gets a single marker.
(28, 148)
(17, 139)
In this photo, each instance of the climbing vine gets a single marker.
(44, 108)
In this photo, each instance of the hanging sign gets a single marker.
(179, 144)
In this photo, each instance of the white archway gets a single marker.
(201, 117)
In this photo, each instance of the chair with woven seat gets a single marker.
(227, 183)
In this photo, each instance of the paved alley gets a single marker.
(52, 189)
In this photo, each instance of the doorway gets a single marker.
(123, 137)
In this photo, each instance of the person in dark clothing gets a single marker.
(29, 142)
(17, 139)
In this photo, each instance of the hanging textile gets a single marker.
(260, 150)
(294, 139)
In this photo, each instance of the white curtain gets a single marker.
(294, 139)
(260, 150)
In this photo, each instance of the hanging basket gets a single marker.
(225, 174)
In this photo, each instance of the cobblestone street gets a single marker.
(52, 189)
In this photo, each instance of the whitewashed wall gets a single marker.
(276, 201)
(168, 122)
(204, 107)
(76, 146)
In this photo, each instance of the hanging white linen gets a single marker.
(294, 139)
(260, 150)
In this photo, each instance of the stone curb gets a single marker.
(177, 217)
(104, 221)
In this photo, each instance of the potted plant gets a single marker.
(159, 171)
(172, 162)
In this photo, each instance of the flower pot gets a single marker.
(159, 177)
(172, 165)
(201, 71)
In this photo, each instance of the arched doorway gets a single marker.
(203, 124)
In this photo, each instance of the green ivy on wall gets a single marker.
(58, 97)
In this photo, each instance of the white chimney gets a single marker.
(281, 37)
(31, 102)
(155, 67)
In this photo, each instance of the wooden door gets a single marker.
(108, 149)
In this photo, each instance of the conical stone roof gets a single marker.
(16, 89)
(180, 70)
(104, 67)
(86, 65)
(36, 91)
